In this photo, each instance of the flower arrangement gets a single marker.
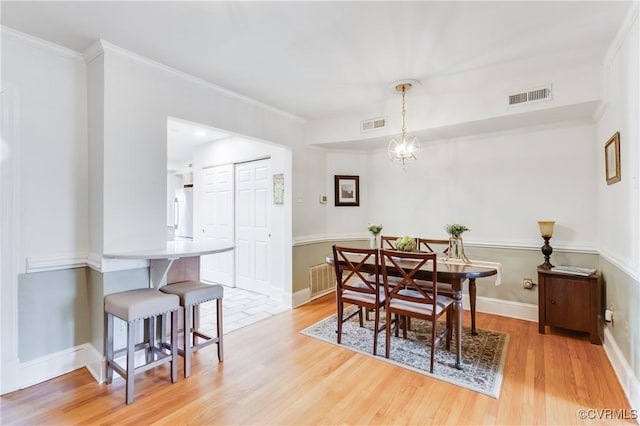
(456, 230)
(406, 243)
(374, 229)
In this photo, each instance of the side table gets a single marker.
(570, 301)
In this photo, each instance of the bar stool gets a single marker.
(132, 306)
(192, 294)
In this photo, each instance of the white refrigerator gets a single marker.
(183, 214)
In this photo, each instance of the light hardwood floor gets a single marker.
(272, 375)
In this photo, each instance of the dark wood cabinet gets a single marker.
(568, 301)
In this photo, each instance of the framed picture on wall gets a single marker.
(347, 190)
(612, 159)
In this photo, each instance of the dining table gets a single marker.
(450, 273)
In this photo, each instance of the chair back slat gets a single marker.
(388, 243)
(428, 244)
(349, 264)
(405, 265)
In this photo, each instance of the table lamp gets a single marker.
(546, 231)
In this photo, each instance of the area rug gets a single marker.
(482, 355)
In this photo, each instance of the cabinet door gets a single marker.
(567, 303)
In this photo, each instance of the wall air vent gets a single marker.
(532, 95)
(372, 124)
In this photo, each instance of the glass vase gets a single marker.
(456, 250)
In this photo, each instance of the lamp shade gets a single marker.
(546, 228)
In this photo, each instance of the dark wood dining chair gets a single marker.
(408, 299)
(388, 243)
(431, 245)
(357, 287)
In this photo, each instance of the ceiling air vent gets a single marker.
(532, 95)
(373, 124)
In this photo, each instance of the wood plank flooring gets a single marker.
(274, 375)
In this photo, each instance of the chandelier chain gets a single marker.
(404, 112)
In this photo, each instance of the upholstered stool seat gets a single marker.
(132, 306)
(192, 294)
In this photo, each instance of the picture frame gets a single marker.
(612, 159)
(347, 190)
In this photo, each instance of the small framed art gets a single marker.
(347, 190)
(612, 159)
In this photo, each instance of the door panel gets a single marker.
(253, 202)
(218, 224)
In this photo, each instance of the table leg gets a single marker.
(457, 316)
(472, 302)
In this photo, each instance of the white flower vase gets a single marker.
(374, 241)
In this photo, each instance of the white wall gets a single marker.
(50, 85)
(499, 185)
(618, 203)
(619, 206)
(139, 96)
(309, 182)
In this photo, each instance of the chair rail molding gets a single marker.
(577, 247)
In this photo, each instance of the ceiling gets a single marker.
(320, 59)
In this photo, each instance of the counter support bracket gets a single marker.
(158, 271)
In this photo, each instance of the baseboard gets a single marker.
(52, 365)
(488, 305)
(95, 363)
(504, 308)
(300, 297)
(629, 382)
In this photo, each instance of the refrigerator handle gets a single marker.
(176, 213)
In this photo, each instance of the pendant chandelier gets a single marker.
(408, 147)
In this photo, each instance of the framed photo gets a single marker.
(612, 159)
(347, 190)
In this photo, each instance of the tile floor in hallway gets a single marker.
(239, 308)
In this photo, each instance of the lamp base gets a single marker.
(546, 251)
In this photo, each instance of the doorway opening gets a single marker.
(232, 180)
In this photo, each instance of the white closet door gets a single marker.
(253, 226)
(218, 226)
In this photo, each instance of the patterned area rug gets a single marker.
(482, 355)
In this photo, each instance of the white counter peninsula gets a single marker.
(162, 259)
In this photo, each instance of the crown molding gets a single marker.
(42, 44)
(106, 46)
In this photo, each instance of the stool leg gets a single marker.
(219, 329)
(189, 315)
(149, 336)
(196, 322)
(174, 346)
(131, 350)
(108, 346)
